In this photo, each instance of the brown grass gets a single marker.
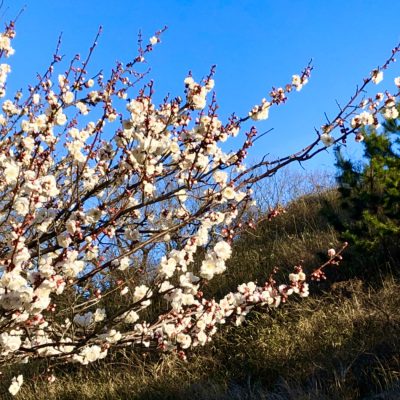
(343, 344)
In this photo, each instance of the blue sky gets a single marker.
(255, 44)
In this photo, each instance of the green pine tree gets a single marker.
(370, 194)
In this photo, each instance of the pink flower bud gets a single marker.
(331, 253)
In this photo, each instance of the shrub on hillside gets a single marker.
(370, 191)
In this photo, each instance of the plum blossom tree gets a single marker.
(105, 195)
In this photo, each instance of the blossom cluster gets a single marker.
(382, 104)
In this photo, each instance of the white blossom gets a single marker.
(11, 172)
(377, 76)
(140, 292)
(21, 206)
(90, 354)
(327, 139)
(261, 112)
(10, 342)
(16, 384)
(223, 250)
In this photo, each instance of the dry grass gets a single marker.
(344, 344)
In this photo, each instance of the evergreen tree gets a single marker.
(370, 192)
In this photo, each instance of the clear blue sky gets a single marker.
(255, 44)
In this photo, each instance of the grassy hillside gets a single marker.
(341, 343)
